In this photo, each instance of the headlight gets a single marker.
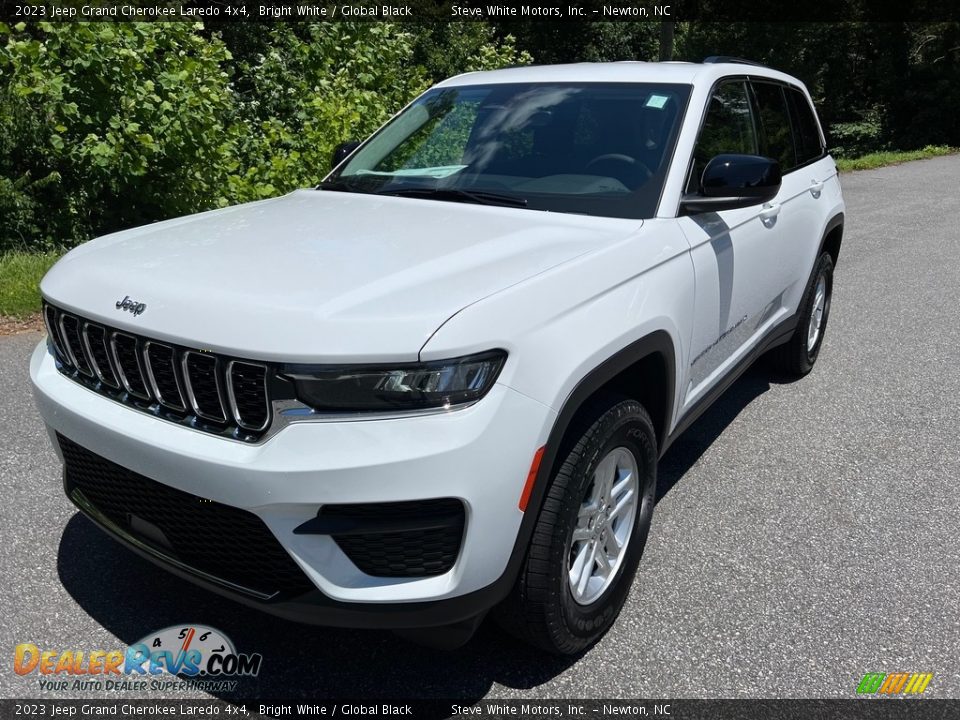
(399, 387)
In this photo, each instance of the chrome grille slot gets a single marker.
(247, 388)
(202, 390)
(126, 355)
(161, 365)
(202, 379)
(95, 340)
(53, 331)
(70, 329)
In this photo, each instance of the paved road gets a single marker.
(807, 533)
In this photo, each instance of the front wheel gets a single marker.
(797, 356)
(589, 535)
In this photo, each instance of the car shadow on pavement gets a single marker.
(131, 597)
(696, 440)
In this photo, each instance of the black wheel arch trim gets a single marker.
(832, 224)
(658, 342)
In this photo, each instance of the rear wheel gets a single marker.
(589, 535)
(797, 356)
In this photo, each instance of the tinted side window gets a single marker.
(728, 128)
(806, 134)
(776, 140)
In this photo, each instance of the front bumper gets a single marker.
(479, 455)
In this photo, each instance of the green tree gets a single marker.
(104, 126)
(315, 86)
(567, 42)
(129, 122)
(445, 49)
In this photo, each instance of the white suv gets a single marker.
(440, 382)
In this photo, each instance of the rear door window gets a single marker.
(776, 139)
(806, 132)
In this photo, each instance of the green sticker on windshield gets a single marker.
(657, 101)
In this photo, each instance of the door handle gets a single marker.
(769, 211)
(816, 187)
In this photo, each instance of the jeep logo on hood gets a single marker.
(131, 306)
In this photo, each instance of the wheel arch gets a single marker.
(644, 370)
(832, 238)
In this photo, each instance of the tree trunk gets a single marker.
(666, 41)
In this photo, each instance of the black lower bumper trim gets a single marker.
(315, 608)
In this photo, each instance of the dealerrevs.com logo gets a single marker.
(179, 656)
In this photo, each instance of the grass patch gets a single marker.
(881, 159)
(20, 275)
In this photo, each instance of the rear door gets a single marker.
(790, 134)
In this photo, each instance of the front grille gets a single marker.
(247, 384)
(125, 349)
(70, 327)
(206, 391)
(215, 539)
(430, 550)
(100, 355)
(202, 377)
(56, 336)
(162, 370)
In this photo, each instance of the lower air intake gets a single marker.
(432, 550)
(215, 539)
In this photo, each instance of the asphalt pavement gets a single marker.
(807, 532)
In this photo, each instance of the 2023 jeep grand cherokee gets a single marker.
(441, 382)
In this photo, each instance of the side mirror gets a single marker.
(343, 150)
(734, 181)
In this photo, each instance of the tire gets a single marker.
(545, 608)
(797, 356)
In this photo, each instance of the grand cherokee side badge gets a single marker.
(131, 306)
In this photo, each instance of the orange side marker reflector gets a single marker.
(531, 477)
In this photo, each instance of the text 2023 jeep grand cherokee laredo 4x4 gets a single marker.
(441, 382)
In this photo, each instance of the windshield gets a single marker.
(592, 148)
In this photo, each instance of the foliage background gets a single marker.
(106, 126)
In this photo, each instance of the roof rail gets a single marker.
(713, 59)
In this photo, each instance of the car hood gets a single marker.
(317, 276)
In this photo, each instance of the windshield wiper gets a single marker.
(481, 197)
(351, 184)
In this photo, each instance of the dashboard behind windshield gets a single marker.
(592, 148)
